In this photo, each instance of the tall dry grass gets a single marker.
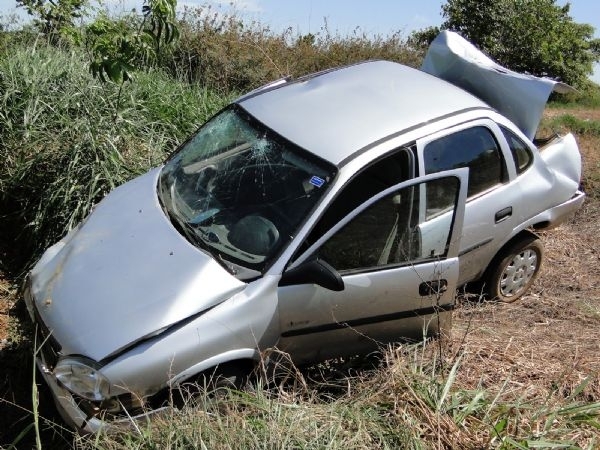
(63, 147)
(67, 139)
(407, 401)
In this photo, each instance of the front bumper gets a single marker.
(80, 420)
(87, 419)
(66, 404)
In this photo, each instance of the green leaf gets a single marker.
(533, 36)
(500, 426)
(114, 71)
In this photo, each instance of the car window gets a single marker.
(475, 148)
(438, 198)
(520, 151)
(240, 191)
(375, 178)
(389, 231)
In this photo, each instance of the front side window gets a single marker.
(389, 231)
(475, 148)
(239, 190)
(382, 174)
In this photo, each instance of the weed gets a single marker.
(580, 127)
(515, 382)
(227, 54)
(588, 96)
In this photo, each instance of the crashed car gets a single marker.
(323, 216)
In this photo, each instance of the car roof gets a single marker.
(334, 114)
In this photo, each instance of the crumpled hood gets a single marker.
(124, 274)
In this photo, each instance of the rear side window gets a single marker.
(520, 151)
(475, 148)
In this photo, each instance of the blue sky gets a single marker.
(344, 16)
(373, 17)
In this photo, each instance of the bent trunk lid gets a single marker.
(522, 98)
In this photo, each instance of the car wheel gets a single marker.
(233, 375)
(213, 384)
(516, 270)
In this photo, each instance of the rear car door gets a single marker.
(394, 288)
(492, 209)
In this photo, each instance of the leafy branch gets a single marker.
(55, 18)
(118, 49)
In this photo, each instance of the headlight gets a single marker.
(82, 377)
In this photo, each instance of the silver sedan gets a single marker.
(324, 216)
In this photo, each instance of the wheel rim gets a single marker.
(518, 273)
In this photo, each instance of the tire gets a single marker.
(515, 270)
(234, 375)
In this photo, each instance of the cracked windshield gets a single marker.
(239, 191)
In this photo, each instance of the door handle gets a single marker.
(503, 214)
(433, 287)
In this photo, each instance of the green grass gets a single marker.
(587, 96)
(580, 127)
(408, 403)
(66, 141)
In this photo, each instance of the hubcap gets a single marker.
(518, 273)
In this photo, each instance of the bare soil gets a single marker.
(543, 346)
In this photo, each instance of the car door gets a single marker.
(492, 209)
(393, 288)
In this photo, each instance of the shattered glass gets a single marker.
(239, 191)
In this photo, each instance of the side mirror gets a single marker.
(315, 271)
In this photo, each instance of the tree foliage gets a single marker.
(531, 36)
(55, 18)
(118, 47)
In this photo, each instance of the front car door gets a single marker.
(394, 287)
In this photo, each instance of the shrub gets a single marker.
(228, 54)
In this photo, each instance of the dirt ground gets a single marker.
(549, 341)
(5, 306)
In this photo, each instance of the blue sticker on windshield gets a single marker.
(317, 181)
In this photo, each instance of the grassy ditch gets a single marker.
(516, 376)
(406, 402)
(510, 376)
(581, 127)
